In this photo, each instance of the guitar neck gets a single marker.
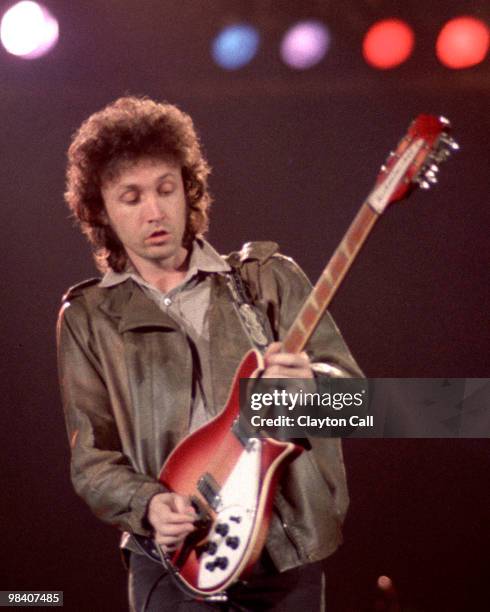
(330, 279)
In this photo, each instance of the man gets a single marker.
(148, 352)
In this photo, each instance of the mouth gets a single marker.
(157, 236)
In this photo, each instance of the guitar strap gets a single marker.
(254, 322)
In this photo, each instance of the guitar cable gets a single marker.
(229, 606)
(150, 593)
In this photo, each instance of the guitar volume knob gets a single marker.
(233, 542)
(210, 548)
(222, 529)
(221, 562)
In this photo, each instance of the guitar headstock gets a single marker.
(415, 162)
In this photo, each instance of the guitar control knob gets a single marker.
(236, 519)
(232, 542)
(221, 562)
(210, 565)
(210, 548)
(222, 529)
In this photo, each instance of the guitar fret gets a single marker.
(338, 264)
(346, 248)
(295, 340)
(309, 316)
(322, 291)
(314, 301)
(358, 230)
(328, 277)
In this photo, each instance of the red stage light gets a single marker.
(463, 42)
(388, 43)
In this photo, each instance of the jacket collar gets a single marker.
(126, 299)
(127, 302)
(203, 258)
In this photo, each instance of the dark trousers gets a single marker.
(151, 589)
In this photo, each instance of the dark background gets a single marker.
(294, 155)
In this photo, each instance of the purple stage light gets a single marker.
(305, 44)
(28, 30)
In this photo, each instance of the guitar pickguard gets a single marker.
(235, 520)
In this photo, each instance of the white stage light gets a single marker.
(28, 30)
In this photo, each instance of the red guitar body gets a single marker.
(211, 467)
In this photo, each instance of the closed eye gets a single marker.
(166, 188)
(130, 197)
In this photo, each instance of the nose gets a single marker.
(154, 208)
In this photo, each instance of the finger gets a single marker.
(289, 359)
(275, 371)
(165, 515)
(171, 530)
(304, 355)
(182, 505)
(273, 348)
(278, 371)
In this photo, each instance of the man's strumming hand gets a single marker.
(171, 517)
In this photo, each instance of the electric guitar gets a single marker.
(230, 477)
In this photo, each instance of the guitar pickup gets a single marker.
(209, 489)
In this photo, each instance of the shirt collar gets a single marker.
(204, 258)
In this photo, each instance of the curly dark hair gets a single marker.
(123, 132)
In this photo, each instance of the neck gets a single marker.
(165, 275)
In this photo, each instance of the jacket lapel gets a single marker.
(159, 367)
(128, 303)
(228, 341)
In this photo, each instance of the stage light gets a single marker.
(463, 42)
(28, 30)
(388, 43)
(235, 46)
(305, 44)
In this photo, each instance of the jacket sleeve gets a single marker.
(101, 474)
(329, 354)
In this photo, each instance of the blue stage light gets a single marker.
(235, 46)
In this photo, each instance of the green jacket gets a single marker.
(117, 349)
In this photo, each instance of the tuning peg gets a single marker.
(441, 155)
(451, 143)
(434, 168)
(431, 176)
(423, 184)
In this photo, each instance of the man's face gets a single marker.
(146, 207)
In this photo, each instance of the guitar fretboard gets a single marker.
(330, 279)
